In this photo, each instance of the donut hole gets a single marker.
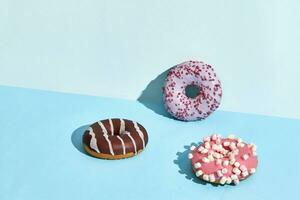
(192, 91)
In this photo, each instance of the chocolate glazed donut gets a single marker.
(115, 139)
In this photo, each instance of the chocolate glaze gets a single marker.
(136, 139)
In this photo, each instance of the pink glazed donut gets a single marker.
(196, 74)
(223, 160)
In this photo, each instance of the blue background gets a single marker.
(41, 155)
(114, 48)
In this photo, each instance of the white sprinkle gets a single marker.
(239, 144)
(212, 178)
(245, 173)
(228, 181)
(226, 144)
(239, 140)
(219, 173)
(206, 139)
(205, 160)
(192, 148)
(231, 136)
(197, 165)
(254, 153)
(224, 171)
(190, 156)
(225, 162)
(245, 156)
(243, 168)
(237, 164)
(252, 170)
(204, 151)
(218, 141)
(218, 161)
(200, 148)
(223, 180)
(205, 177)
(236, 181)
(207, 145)
(236, 171)
(199, 173)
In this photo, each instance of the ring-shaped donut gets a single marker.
(192, 73)
(223, 160)
(115, 139)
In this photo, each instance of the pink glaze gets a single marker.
(212, 168)
(192, 73)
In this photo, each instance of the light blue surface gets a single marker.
(39, 161)
(115, 48)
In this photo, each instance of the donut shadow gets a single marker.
(185, 166)
(152, 96)
(76, 138)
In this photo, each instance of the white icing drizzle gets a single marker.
(111, 127)
(122, 126)
(105, 135)
(93, 142)
(134, 144)
(137, 128)
(123, 145)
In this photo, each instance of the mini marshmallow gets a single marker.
(206, 139)
(204, 151)
(205, 160)
(214, 137)
(207, 145)
(218, 161)
(235, 151)
(232, 146)
(218, 141)
(229, 180)
(210, 158)
(252, 170)
(205, 177)
(192, 148)
(232, 161)
(245, 173)
(190, 156)
(237, 164)
(199, 173)
(197, 165)
(217, 155)
(236, 181)
(240, 144)
(231, 136)
(236, 171)
(200, 148)
(226, 144)
(234, 177)
(223, 180)
(225, 162)
(245, 156)
(219, 173)
(224, 171)
(243, 168)
(215, 147)
(212, 178)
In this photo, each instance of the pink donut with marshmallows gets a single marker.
(201, 77)
(223, 160)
